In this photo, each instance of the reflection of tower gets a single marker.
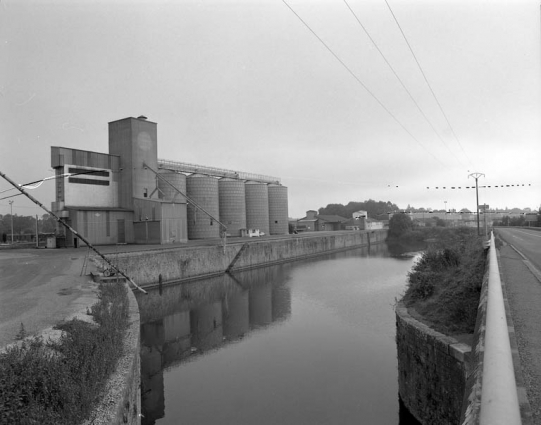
(177, 337)
(261, 305)
(206, 326)
(152, 391)
(236, 314)
(281, 302)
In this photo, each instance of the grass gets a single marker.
(444, 286)
(46, 382)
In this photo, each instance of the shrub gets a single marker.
(445, 284)
(60, 382)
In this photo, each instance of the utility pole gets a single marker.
(11, 216)
(476, 177)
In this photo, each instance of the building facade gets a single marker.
(129, 196)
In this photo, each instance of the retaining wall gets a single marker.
(144, 267)
(432, 370)
(121, 403)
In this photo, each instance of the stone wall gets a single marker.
(121, 403)
(432, 370)
(144, 267)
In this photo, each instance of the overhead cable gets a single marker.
(427, 83)
(400, 81)
(362, 84)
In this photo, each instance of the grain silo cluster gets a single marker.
(240, 205)
(131, 196)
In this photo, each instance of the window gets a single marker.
(88, 181)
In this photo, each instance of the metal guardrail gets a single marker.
(499, 399)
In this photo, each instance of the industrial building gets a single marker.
(130, 196)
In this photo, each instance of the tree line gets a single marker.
(375, 209)
(26, 224)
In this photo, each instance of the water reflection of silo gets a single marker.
(152, 389)
(177, 337)
(236, 316)
(281, 302)
(206, 326)
(260, 305)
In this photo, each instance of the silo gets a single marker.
(204, 191)
(257, 206)
(178, 180)
(232, 198)
(278, 212)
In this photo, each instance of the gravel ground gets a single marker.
(524, 296)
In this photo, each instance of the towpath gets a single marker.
(520, 263)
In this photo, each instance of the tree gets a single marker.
(399, 225)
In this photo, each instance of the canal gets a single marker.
(308, 342)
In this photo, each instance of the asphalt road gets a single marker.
(528, 242)
(521, 273)
(39, 288)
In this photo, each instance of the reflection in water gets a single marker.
(193, 323)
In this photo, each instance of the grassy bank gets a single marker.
(46, 382)
(444, 286)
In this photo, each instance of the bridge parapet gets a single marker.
(492, 395)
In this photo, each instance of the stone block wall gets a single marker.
(121, 403)
(432, 370)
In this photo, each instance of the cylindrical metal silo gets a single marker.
(204, 191)
(178, 180)
(232, 198)
(257, 206)
(278, 212)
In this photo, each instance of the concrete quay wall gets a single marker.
(184, 263)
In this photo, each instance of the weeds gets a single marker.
(445, 284)
(60, 382)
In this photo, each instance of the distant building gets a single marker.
(361, 221)
(315, 223)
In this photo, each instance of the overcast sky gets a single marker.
(246, 85)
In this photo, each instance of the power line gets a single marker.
(427, 83)
(400, 80)
(362, 84)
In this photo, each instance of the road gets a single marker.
(39, 288)
(528, 242)
(521, 275)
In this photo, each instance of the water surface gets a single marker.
(309, 342)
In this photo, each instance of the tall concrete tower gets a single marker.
(135, 141)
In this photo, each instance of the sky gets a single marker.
(326, 95)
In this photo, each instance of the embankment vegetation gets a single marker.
(444, 286)
(60, 382)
